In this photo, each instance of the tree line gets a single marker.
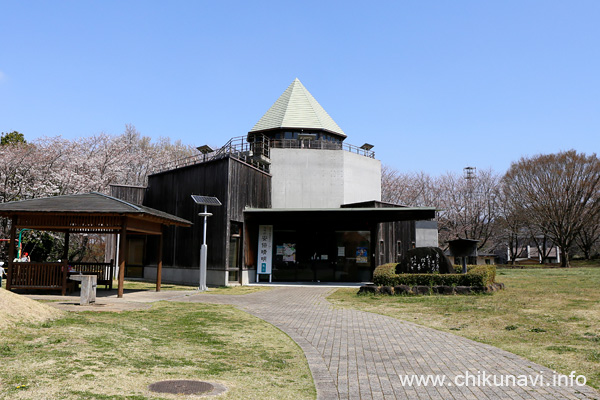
(541, 200)
(53, 166)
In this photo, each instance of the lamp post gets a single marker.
(204, 201)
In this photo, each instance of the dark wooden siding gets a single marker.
(234, 183)
(394, 239)
(171, 192)
(248, 187)
(131, 194)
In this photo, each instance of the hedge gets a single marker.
(385, 274)
(477, 275)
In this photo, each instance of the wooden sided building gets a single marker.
(298, 204)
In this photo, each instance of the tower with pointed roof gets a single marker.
(296, 111)
(311, 166)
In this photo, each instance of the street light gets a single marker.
(204, 201)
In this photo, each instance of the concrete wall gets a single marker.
(248, 276)
(311, 178)
(426, 234)
(186, 276)
(362, 178)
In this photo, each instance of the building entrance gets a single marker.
(326, 256)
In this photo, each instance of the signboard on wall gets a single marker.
(361, 255)
(265, 249)
(289, 252)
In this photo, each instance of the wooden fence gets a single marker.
(105, 271)
(54, 275)
(33, 275)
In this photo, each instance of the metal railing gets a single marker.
(256, 152)
(319, 145)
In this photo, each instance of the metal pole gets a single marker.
(20, 235)
(203, 251)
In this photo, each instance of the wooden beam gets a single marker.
(122, 257)
(11, 251)
(65, 262)
(144, 226)
(66, 248)
(70, 228)
(159, 263)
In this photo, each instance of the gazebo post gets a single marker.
(159, 262)
(66, 248)
(11, 251)
(65, 263)
(122, 257)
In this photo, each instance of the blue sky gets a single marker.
(435, 85)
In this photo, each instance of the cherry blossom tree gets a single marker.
(52, 166)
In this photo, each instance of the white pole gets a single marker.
(203, 251)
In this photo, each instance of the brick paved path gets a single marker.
(359, 355)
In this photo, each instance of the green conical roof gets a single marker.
(297, 108)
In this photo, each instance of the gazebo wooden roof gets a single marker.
(89, 213)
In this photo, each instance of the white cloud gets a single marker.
(2, 76)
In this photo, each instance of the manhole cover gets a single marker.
(181, 387)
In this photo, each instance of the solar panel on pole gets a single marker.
(204, 201)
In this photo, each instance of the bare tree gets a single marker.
(557, 193)
(469, 206)
(510, 226)
(414, 189)
(589, 236)
(466, 209)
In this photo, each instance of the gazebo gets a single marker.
(80, 213)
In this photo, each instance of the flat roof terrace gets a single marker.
(256, 152)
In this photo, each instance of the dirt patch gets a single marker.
(111, 306)
(15, 308)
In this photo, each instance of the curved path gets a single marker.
(359, 355)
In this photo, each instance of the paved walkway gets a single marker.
(359, 355)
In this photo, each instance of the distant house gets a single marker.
(530, 254)
(298, 204)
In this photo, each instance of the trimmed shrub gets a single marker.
(384, 274)
(477, 275)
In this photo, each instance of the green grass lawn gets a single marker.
(549, 316)
(142, 285)
(105, 355)
(233, 290)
